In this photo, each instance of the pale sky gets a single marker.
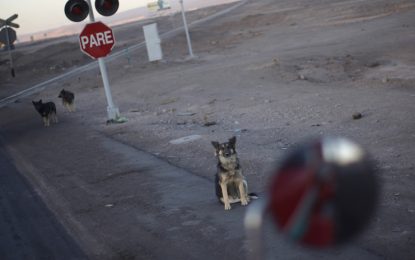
(39, 15)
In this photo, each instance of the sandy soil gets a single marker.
(272, 73)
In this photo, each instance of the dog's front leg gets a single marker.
(46, 121)
(225, 196)
(69, 107)
(243, 194)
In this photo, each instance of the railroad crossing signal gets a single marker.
(8, 21)
(8, 36)
(106, 7)
(97, 41)
(78, 10)
(158, 5)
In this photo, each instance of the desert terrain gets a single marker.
(273, 73)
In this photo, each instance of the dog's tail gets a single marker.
(253, 196)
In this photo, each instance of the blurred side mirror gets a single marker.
(322, 194)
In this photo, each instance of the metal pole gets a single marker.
(254, 223)
(189, 43)
(9, 50)
(112, 110)
(91, 12)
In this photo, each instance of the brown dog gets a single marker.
(47, 111)
(230, 184)
(68, 99)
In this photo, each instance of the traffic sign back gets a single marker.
(12, 36)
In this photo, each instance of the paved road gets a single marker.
(28, 230)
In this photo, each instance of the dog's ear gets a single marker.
(40, 101)
(232, 141)
(216, 145)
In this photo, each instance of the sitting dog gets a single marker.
(230, 184)
(47, 111)
(68, 99)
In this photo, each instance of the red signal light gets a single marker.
(76, 10)
(106, 7)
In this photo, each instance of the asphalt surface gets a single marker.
(29, 230)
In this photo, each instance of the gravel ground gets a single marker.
(274, 73)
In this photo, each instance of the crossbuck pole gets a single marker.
(112, 110)
(9, 49)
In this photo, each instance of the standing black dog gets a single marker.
(47, 111)
(68, 99)
(230, 184)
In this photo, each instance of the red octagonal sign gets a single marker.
(96, 40)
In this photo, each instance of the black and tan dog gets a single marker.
(231, 186)
(47, 111)
(68, 99)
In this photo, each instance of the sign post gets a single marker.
(97, 40)
(10, 37)
(189, 43)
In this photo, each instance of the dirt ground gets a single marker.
(42, 60)
(273, 73)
